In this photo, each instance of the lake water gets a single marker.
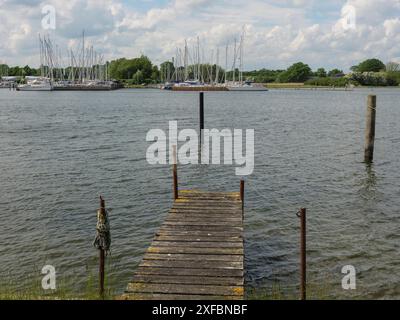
(60, 150)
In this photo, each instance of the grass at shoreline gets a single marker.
(90, 292)
(300, 86)
(278, 292)
(309, 87)
(31, 288)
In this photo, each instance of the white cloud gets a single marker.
(278, 33)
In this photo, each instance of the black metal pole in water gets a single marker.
(201, 116)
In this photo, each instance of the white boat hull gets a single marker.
(249, 88)
(36, 88)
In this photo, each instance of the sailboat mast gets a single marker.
(83, 56)
(234, 62)
(226, 63)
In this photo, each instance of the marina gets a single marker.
(85, 70)
(191, 70)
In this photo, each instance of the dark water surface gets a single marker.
(60, 150)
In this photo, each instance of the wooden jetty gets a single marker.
(197, 254)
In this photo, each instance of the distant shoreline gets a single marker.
(302, 86)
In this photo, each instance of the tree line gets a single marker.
(141, 70)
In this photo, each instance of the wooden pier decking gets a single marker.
(197, 254)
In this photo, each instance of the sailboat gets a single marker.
(241, 85)
(36, 84)
(245, 86)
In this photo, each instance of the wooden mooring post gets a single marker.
(370, 129)
(303, 261)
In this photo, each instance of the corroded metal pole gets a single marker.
(370, 129)
(175, 172)
(242, 195)
(102, 253)
(303, 262)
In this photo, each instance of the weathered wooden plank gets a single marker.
(201, 222)
(201, 228)
(195, 193)
(146, 270)
(201, 205)
(171, 230)
(201, 235)
(230, 196)
(192, 238)
(171, 264)
(222, 214)
(206, 207)
(171, 279)
(211, 197)
(153, 296)
(205, 221)
(208, 219)
(195, 250)
(208, 202)
(193, 257)
(185, 289)
(197, 244)
(200, 225)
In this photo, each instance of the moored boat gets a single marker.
(36, 84)
(245, 86)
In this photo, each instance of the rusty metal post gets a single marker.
(102, 253)
(242, 195)
(303, 261)
(175, 172)
(370, 129)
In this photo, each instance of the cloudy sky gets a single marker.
(330, 33)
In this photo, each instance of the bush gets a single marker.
(378, 79)
(328, 82)
(393, 78)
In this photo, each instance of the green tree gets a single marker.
(124, 69)
(3, 70)
(320, 73)
(335, 73)
(298, 72)
(155, 75)
(138, 77)
(263, 75)
(370, 65)
(167, 69)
